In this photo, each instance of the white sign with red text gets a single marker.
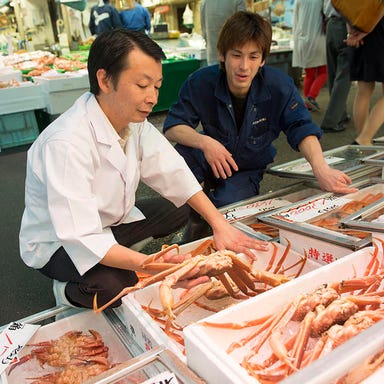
(313, 208)
(13, 340)
(254, 208)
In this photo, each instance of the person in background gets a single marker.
(213, 14)
(81, 216)
(103, 17)
(136, 17)
(339, 56)
(242, 105)
(309, 48)
(367, 68)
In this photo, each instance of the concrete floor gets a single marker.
(25, 291)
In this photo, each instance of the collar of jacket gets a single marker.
(106, 134)
(258, 92)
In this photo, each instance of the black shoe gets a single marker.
(338, 128)
(346, 119)
(196, 229)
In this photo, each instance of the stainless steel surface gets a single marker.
(363, 218)
(347, 158)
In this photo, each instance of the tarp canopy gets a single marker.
(80, 5)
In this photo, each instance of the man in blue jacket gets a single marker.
(242, 106)
(104, 17)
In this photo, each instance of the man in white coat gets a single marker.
(80, 214)
(213, 14)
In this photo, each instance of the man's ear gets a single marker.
(104, 81)
(262, 63)
(221, 58)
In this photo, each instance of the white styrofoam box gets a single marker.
(63, 83)
(83, 321)
(149, 333)
(26, 97)
(320, 251)
(206, 346)
(58, 102)
(10, 74)
(61, 92)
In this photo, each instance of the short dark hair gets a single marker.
(243, 27)
(110, 51)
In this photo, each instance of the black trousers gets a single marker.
(162, 218)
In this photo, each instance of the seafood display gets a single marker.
(67, 351)
(236, 276)
(309, 317)
(274, 266)
(333, 221)
(323, 217)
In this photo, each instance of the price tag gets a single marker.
(313, 208)
(254, 208)
(13, 340)
(162, 378)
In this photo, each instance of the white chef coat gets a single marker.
(80, 182)
(309, 46)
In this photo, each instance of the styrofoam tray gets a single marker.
(206, 346)
(149, 333)
(26, 97)
(63, 83)
(80, 322)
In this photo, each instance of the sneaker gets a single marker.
(59, 293)
(313, 103)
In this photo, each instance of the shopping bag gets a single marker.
(361, 14)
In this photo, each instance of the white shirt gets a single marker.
(80, 182)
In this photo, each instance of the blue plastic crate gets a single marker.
(18, 129)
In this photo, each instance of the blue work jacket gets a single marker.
(104, 18)
(273, 105)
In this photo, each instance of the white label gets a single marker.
(306, 167)
(254, 208)
(13, 340)
(162, 378)
(313, 208)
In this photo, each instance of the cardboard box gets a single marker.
(206, 346)
(148, 333)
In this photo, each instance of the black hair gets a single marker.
(242, 27)
(110, 52)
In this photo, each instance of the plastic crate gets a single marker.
(18, 129)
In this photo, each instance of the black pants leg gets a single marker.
(162, 218)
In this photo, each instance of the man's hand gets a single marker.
(217, 156)
(333, 180)
(231, 238)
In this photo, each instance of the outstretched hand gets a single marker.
(333, 180)
(231, 238)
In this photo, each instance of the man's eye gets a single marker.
(142, 86)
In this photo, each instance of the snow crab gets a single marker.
(311, 325)
(229, 273)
